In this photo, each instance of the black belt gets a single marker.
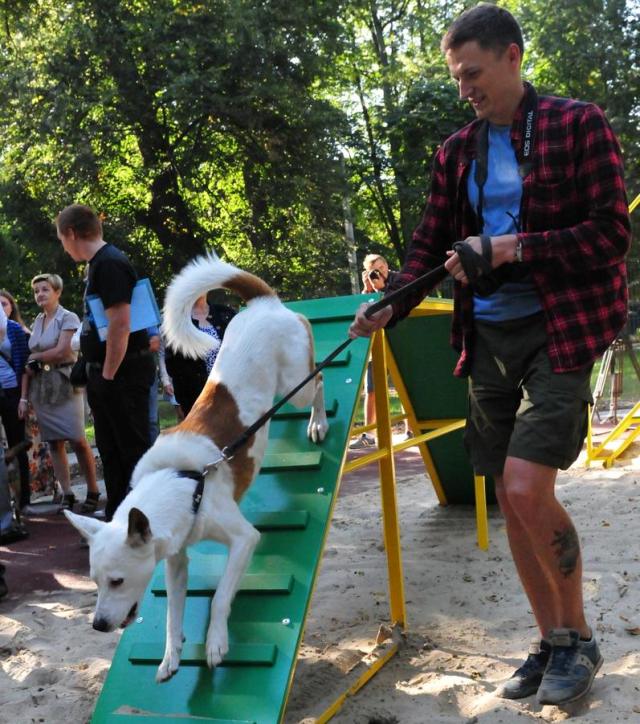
(130, 356)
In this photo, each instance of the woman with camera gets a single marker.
(376, 277)
(59, 407)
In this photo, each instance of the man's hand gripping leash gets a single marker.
(468, 262)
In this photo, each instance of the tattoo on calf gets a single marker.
(567, 550)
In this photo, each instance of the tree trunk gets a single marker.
(390, 101)
(168, 215)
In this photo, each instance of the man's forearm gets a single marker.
(117, 340)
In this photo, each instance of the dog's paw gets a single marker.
(217, 647)
(169, 665)
(317, 428)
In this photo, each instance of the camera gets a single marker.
(34, 365)
(375, 274)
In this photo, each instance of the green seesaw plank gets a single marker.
(195, 654)
(206, 585)
(291, 461)
(278, 520)
(290, 502)
(289, 411)
(325, 349)
(143, 718)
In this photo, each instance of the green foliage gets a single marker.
(401, 106)
(243, 126)
(589, 49)
(190, 126)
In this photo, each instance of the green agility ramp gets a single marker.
(290, 503)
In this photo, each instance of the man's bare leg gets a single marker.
(545, 545)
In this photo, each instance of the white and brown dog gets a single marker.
(266, 351)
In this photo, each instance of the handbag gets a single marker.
(51, 385)
(78, 375)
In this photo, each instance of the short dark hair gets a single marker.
(493, 28)
(81, 219)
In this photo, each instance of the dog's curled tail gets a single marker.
(197, 278)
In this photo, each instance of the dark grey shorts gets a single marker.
(519, 407)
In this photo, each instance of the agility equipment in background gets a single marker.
(626, 430)
(417, 355)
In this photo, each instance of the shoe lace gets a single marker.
(533, 663)
(561, 660)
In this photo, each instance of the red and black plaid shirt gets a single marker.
(575, 224)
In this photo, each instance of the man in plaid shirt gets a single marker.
(535, 188)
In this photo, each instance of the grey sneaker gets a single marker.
(363, 441)
(573, 663)
(526, 679)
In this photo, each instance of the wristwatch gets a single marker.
(518, 250)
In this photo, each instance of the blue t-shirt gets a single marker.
(500, 211)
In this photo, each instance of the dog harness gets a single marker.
(197, 493)
(200, 475)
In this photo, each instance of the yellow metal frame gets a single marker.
(370, 672)
(384, 364)
(629, 424)
(429, 429)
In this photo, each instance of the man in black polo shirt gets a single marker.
(120, 369)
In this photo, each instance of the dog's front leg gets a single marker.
(241, 538)
(318, 425)
(176, 570)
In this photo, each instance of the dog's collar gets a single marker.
(197, 493)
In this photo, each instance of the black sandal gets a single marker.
(90, 505)
(68, 501)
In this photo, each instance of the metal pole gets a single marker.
(349, 235)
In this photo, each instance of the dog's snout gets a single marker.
(100, 624)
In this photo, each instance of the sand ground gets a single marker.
(468, 623)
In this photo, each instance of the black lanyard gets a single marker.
(524, 154)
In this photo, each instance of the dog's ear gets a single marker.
(139, 531)
(88, 527)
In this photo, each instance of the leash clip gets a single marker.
(214, 464)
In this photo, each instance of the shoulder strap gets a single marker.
(482, 167)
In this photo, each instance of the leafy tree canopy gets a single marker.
(249, 127)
